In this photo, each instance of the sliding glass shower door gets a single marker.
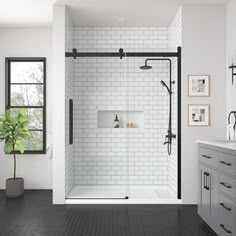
(100, 137)
(124, 116)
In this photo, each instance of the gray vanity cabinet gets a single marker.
(208, 195)
(217, 188)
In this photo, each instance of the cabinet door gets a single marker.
(204, 193)
(213, 180)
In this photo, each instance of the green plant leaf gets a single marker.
(21, 118)
(20, 146)
(24, 135)
(8, 115)
(14, 129)
(8, 148)
(22, 111)
(25, 124)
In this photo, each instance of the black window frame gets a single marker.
(8, 84)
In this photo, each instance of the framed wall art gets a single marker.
(198, 115)
(198, 85)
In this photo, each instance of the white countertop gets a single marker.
(220, 143)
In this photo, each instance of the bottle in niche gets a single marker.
(116, 122)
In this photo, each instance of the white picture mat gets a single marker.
(196, 87)
(201, 114)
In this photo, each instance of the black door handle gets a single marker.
(208, 157)
(204, 180)
(226, 163)
(207, 184)
(226, 230)
(70, 121)
(225, 207)
(225, 185)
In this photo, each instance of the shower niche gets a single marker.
(127, 119)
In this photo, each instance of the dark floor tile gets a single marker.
(35, 215)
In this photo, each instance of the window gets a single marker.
(26, 88)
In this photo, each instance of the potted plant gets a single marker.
(14, 130)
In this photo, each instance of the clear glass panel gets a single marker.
(35, 116)
(27, 72)
(35, 141)
(27, 95)
(99, 158)
(130, 160)
(152, 172)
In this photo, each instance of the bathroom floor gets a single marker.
(114, 192)
(34, 214)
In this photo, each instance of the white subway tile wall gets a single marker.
(109, 156)
(120, 156)
(175, 31)
(175, 40)
(69, 77)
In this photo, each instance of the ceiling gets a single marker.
(33, 13)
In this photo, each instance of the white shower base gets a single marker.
(120, 192)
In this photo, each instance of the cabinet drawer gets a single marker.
(227, 185)
(209, 157)
(227, 163)
(227, 213)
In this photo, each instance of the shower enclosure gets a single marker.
(123, 127)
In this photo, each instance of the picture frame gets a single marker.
(198, 115)
(198, 85)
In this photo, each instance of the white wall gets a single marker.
(231, 54)
(27, 42)
(59, 16)
(203, 53)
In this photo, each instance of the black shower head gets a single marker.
(164, 84)
(145, 67)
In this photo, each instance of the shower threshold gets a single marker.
(121, 195)
(98, 192)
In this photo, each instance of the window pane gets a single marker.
(34, 142)
(27, 95)
(26, 72)
(35, 116)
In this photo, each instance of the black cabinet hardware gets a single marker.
(225, 207)
(225, 185)
(226, 230)
(226, 163)
(206, 186)
(204, 180)
(208, 157)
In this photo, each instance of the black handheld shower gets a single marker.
(164, 84)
